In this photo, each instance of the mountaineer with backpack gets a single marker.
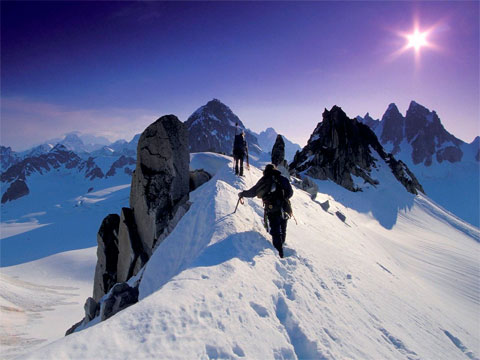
(240, 149)
(275, 191)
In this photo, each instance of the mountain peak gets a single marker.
(414, 104)
(343, 150)
(212, 127)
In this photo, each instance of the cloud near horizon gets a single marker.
(26, 123)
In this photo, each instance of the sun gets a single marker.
(417, 40)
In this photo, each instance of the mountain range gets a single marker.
(447, 167)
(374, 268)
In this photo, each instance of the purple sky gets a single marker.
(112, 68)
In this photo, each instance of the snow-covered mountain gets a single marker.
(215, 287)
(348, 152)
(212, 127)
(447, 167)
(18, 179)
(266, 140)
(8, 157)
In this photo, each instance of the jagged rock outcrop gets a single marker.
(369, 121)
(158, 200)
(198, 178)
(91, 309)
(131, 255)
(107, 256)
(120, 297)
(426, 133)
(92, 171)
(160, 183)
(422, 130)
(308, 185)
(393, 128)
(16, 190)
(212, 128)
(278, 151)
(120, 163)
(341, 147)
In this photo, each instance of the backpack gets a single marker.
(239, 144)
(277, 199)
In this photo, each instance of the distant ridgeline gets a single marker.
(447, 167)
(424, 155)
(341, 148)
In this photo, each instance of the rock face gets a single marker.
(278, 151)
(341, 147)
(393, 127)
(121, 296)
(212, 128)
(198, 178)
(120, 163)
(131, 255)
(107, 256)
(160, 183)
(16, 190)
(369, 121)
(158, 200)
(422, 130)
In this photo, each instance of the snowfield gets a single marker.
(397, 280)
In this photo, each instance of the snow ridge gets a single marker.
(215, 288)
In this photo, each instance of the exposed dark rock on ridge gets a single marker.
(212, 128)
(341, 147)
(369, 121)
(16, 190)
(423, 130)
(120, 163)
(278, 151)
(198, 178)
(158, 199)
(393, 127)
(160, 183)
(131, 254)
(107, 256)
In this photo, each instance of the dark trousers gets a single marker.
(278, 230)
(239, 159)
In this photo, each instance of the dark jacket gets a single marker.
(263, 187)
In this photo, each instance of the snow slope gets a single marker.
(39, 300)
(44, 279)
(215, 288)
(59, 214)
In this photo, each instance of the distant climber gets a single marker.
(240, 150)
(275, 191)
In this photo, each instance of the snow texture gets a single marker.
(359, 289)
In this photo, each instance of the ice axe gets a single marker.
(240, 200)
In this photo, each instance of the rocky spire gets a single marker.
(160, 183)
(278, 151)
(341, 147)
(426, 134)
(393, 127)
